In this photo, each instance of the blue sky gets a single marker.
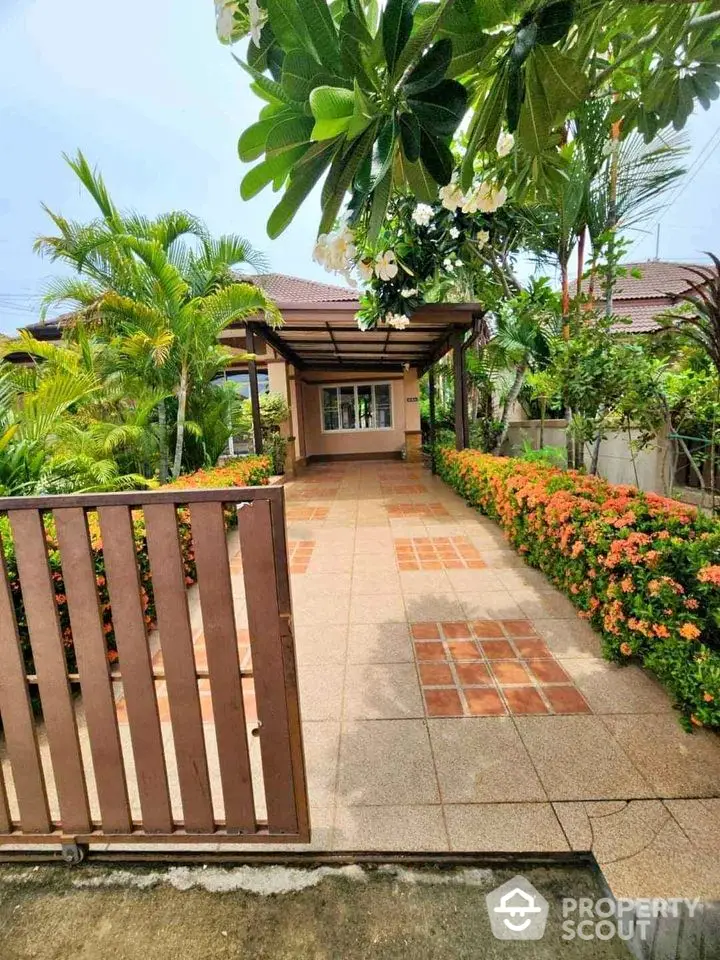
(145, 90)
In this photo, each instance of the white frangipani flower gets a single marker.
(458, 263)
(448, 264)
(454, 232)
(451, 196)
(258, 19)
(422, 214)
(386, 266)
(505, 143)
(225, 20)
(408, 292)
(365, 270)
(320, 250)
(488, 198)
(397, 320)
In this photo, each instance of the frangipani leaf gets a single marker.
(332, 108)
(431, 68)
(397, 24)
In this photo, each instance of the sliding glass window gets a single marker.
(358, 406)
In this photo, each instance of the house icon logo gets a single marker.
(517, 911)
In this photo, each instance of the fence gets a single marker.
(165, 744)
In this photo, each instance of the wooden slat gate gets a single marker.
(116, 732)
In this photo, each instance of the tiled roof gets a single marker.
(286, 289)
(657, 279)
(642, 298)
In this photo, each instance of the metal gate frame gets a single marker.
(261, 523)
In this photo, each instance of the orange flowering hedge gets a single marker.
(643, 569)
(240, 472)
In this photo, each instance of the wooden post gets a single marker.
(461, 413)
(254, 391)
(431, 403)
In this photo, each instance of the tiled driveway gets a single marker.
(452, 700)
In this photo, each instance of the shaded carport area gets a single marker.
(324, 337)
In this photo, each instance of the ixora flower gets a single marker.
(422, 214)
(258, 19)
(505, 143)
(408, 292)
(386, 266)
(397, 320)
(451, 196)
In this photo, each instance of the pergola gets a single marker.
(325, 337)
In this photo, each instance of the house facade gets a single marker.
(351, 394)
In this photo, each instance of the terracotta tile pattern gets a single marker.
(307, 513)
(401, 489)
(437, 553)
(315, 492)
(487, 668)
(416, 510)
(299, 554)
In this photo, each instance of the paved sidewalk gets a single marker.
(453, 700)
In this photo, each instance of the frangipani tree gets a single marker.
(369, 96)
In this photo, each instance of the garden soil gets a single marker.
(53, 912)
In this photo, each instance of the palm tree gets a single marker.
(522, 339)
(51, 437)
(161, 291)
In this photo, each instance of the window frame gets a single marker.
(355, 384)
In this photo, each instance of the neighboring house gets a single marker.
(352, 394)
(641, 299)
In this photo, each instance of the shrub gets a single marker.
(644, 570)
(241, 472)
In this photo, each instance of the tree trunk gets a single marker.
(569, 439)
(162, 426)
(580, 262)
(565, 282)
(512, 396)
(595, 454)
(180, 439)
(543, 404)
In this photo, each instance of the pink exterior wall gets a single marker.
(318, 443)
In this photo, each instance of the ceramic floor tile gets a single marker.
(379, 643)
(386, 762)
(382, 691)
(505, 828)
(482, 760)
(577, 760)
(390, 828)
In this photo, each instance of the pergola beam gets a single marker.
(462, 427)
(254, 391)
